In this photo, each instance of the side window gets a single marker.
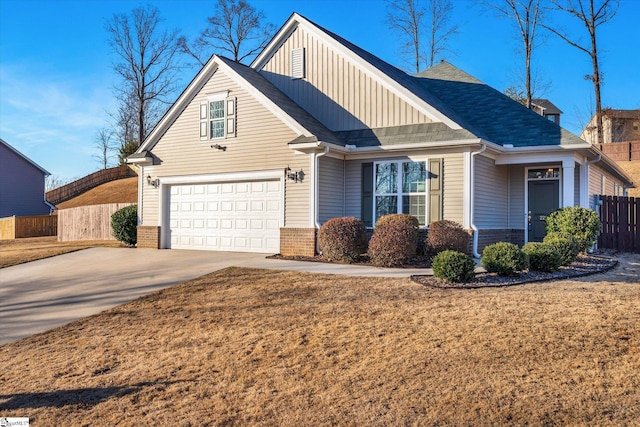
(218, 117)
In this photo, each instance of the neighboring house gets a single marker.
(617, 126)
(256, 158)
(547, 109)
(21, 184)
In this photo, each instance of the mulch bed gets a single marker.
(584, 265)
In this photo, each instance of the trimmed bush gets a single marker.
(542, 256)
(581, 223)
(343, 239)
(447, 235)
(453, 266)
(565, 245)
(505, 259)
(394, 240)
(124, 223)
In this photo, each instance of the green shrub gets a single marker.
(447, 235)
(565, 245)
(394, 240)
(504, 258)
(343, 239)
(453, 266)
(542, 256)
(124, 223)
(581, 223)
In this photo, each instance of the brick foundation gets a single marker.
(148, 237)
(298, 241)
(489, 237)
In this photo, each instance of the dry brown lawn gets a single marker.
(120, 191)
(18, 251)
(258, 347)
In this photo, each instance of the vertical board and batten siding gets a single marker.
(517, 213)
(260, 144)
(491, 206)
(453, 184)
(339, 93)
(331, 181)
(91, 222)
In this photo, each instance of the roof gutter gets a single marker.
(316, 190)
(471, 201)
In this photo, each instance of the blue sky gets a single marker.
(56, 79)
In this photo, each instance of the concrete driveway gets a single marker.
(44, 294)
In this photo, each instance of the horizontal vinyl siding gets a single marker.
(260, 144)
(490, 194)
(576, 186)
(517, 213)
(453, 184)
(336, 91)
(331, 191)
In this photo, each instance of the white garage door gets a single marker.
(233, 216)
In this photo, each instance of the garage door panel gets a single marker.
(243, 216)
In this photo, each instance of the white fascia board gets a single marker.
(143, 161)
(405, 94)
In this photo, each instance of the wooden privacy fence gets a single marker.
(91, 222)
(15, 227)
(620, 218)
(79, 186)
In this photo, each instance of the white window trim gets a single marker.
(399, 193)
(228, 120)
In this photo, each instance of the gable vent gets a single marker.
(297, 63)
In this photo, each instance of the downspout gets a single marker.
(471, 201)
(316, 191)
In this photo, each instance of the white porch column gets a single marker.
(568, 182)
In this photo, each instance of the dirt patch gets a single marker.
(19, 251)
(258, 347)
(120, 191)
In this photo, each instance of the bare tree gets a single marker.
(412, 19)
(105, 145)
(440, 12)
(592, 16)
(526, 14)
(147, 63)
(236, 28)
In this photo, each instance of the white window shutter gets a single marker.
(204, 112)
(231, 117)
(297, 63)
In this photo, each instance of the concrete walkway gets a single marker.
(47, 293)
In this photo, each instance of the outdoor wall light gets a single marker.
(294, 176)
(153, 182)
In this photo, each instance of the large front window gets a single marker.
(400, 187)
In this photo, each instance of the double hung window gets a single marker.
(400, 187)
(218, 117)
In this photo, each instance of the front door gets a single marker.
(544, 197)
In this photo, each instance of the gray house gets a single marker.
(256, 158)
(21, 184)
